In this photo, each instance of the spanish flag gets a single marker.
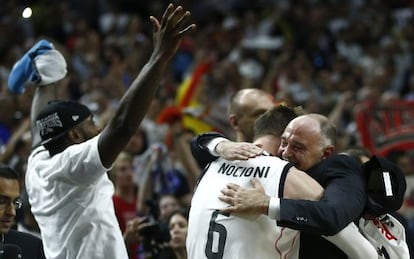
(186, 97)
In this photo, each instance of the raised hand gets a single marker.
(168, 33)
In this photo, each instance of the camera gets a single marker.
(155, 239)
(152, 231)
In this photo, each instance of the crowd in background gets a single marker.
(328, 56)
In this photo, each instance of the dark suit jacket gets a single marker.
(199, 150)
(32, 247)
(343, 201)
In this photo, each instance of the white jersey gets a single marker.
(381, 238)
(213, 235)
(71, 199)
(387, 235)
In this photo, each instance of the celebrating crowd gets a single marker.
(113, 113)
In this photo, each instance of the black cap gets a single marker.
(386, 186)
(58, 117)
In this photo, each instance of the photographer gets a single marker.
(148, 234)
(158, 240)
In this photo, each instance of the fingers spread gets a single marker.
(227, 192)
(166, 14)
(242, 155)
(177, 19)
(255, 182)
(190, 27)
(182, 20)
(225, 199)
(257, 185)
(238, 150)
(227, 210)
(176, 16)
(233, 186)
(156, 24)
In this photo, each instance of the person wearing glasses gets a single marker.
(14, 242)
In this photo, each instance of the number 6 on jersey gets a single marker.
(221, 233)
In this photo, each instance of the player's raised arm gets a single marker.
(167, 35)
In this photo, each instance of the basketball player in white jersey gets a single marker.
(214, 235)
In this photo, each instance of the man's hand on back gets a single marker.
(230, 150)
(245, 201)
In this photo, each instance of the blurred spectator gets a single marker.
(178, 224)
(125, 196)
(155, 228)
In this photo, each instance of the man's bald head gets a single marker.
(244, 108)
(307, 140)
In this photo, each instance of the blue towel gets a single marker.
(24, 69)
